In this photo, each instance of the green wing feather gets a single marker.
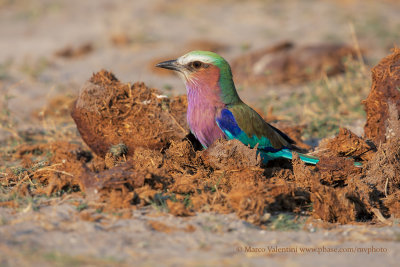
(254, 126)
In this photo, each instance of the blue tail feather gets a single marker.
(287, 154)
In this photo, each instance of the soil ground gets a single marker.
(50, 50)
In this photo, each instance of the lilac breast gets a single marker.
(203, 106)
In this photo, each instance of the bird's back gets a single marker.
(254, 125)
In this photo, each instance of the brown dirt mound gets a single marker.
(288, 63)
(55, 167)
(385, 90)
(170, 173)
(332, 192)
(109, 112)
(348, 144)
(383, 171)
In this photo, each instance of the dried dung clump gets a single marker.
(289, 63)
(385, 90)
(333, 194)
(348, 144)
(383, 171)
(221, 154)
(108, 112)
(56, 166)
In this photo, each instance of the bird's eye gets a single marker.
(197, 64)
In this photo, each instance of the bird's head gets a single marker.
(203, 69)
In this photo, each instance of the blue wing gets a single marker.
(229, 126)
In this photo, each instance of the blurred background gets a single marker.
(304, 62)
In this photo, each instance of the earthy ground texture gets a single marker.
(95, 171)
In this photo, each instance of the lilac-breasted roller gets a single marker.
(215, 109)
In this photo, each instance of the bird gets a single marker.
(216, 111)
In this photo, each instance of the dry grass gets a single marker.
(325, 105)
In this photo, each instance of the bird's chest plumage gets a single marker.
(201, 115)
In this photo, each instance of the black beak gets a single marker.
(170, 64)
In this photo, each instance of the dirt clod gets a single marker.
(233, 152)
(108, 112)
(348, 144)
(385, 90)
(383, 171)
